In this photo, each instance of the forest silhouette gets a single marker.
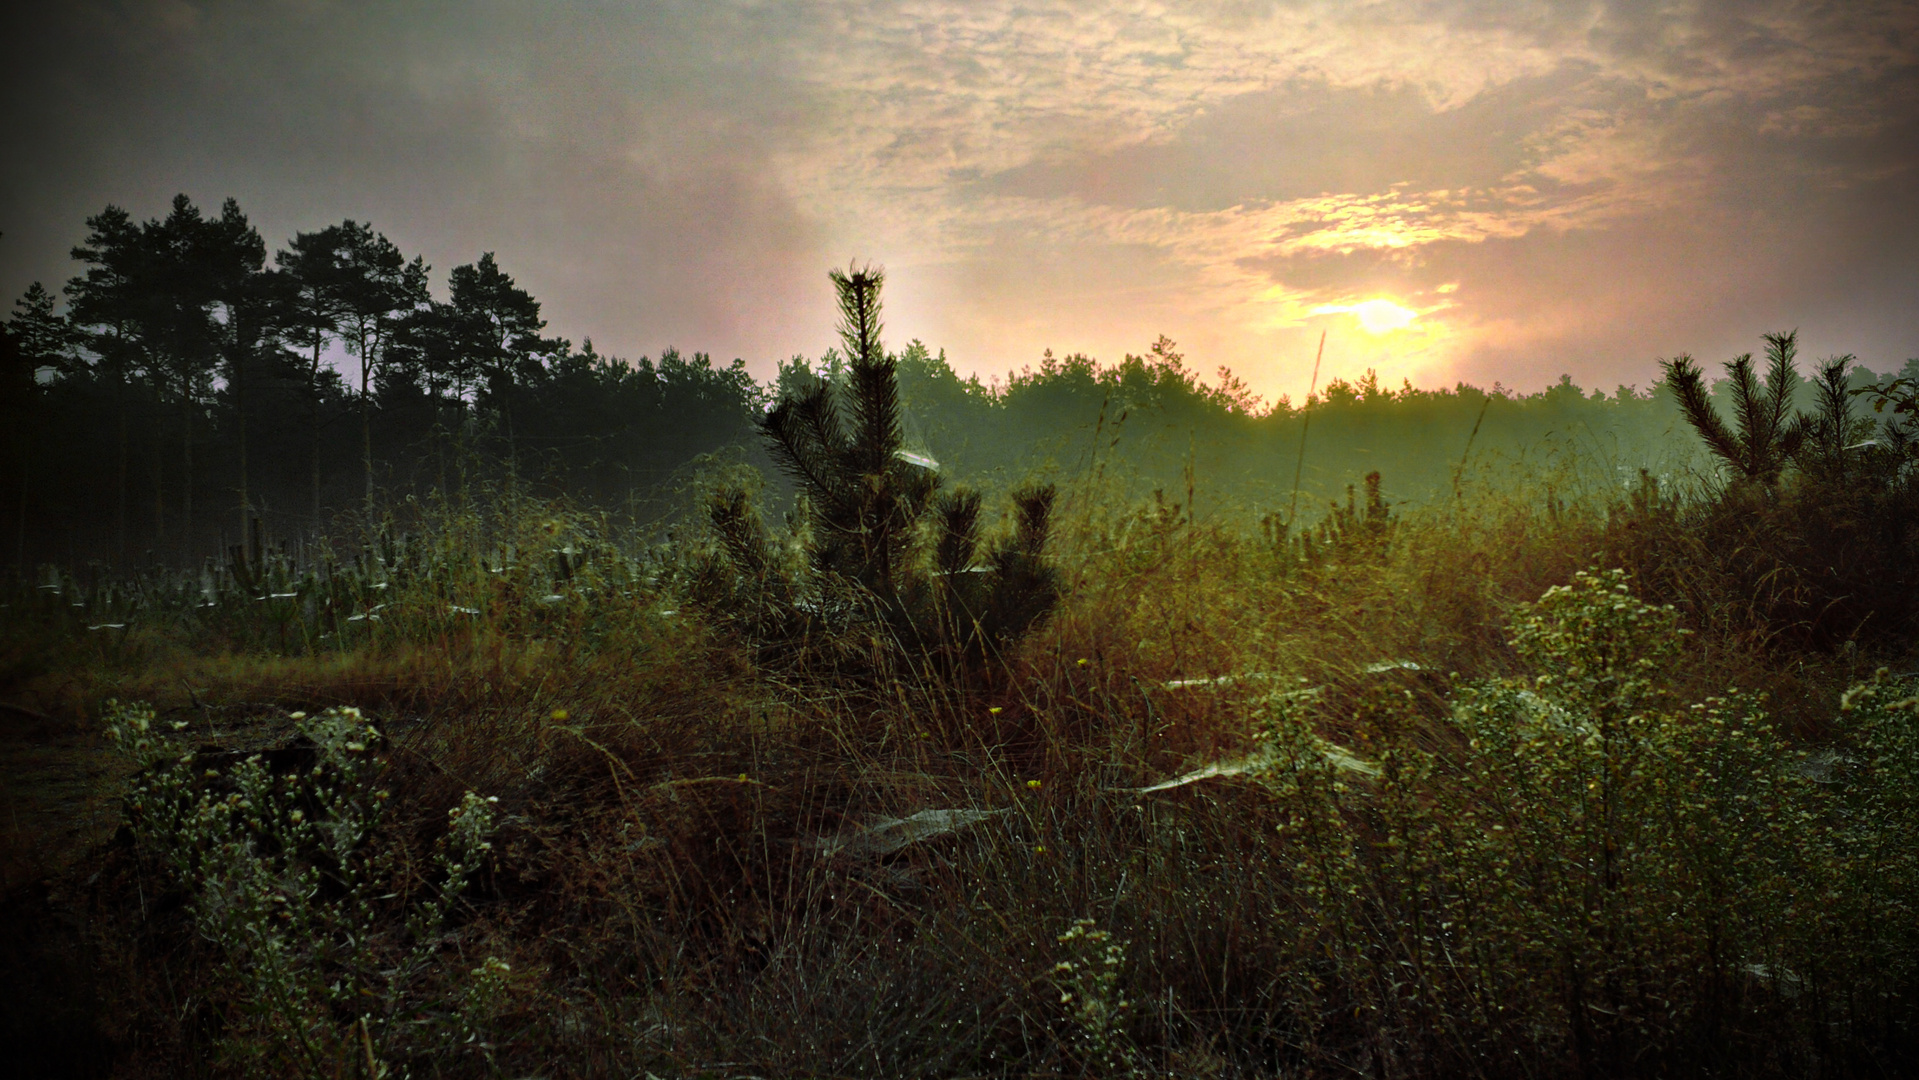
(184, 383)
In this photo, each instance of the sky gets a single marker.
(1447, 189)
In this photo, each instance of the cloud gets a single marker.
(1668, 177)
(1554, 186)
(618, 159)
(1311, 138)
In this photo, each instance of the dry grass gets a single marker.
(680, 886)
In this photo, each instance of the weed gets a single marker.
(288, 884)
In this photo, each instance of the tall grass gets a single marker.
(1409, 793)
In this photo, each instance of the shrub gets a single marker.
(289, 880)
(1815, 539)
(1571, 866)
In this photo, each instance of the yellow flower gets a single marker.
(996, 710)
(559, 715)
(1034, 784)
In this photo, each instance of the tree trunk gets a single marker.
(366, 447)
(366, 422)
(186, 490)
(512, 447)
(20, 526)
(313, 455)
(313, 435)
(159, 492)
(120, 522)
(240, 407)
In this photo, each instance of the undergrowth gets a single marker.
(1432, 797)
(1515, 785)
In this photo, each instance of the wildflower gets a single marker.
(1034, 784)
(995, 710)
(559, 716)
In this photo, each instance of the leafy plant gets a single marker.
(288, 880)
(1580, 865)
(1091, 994)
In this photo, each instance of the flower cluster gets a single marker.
(1089, 988)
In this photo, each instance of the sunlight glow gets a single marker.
(1377, 316)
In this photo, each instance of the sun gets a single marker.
(1382, 316)
(1377, 316)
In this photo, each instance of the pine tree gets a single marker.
(107, 310)
(33, 340)
(377, 290)
(311, 316)
(1827, 554)
(863, 498)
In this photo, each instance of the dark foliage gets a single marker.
(1767, 433)
(1815, 541)
(189, 389)
(867, 584)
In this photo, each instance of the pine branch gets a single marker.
(1024, 587)
(1035, 509)
(808, 443)
(1781, 379)
(1825, 434)
(958, 532)
(1690, 388)
(875, 388)
(876, 416)
(1835, 404)
(741, 532)
(859, 296)
(1751, 411)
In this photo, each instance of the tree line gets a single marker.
(190, 384)
(187, 382)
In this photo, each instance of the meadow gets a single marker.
(886, 776)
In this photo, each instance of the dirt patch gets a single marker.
(59, 794)
(60, 791)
